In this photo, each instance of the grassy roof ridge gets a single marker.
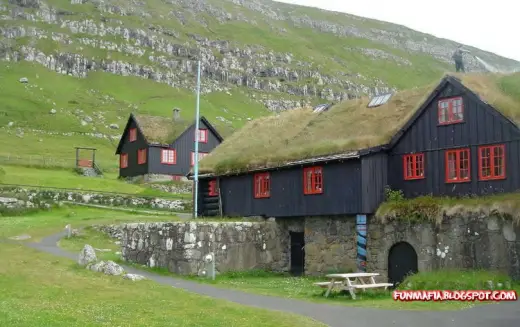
(159, 129)
(347, 126)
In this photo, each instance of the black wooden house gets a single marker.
(152, 145)
(457, 137)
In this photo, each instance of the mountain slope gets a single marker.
(140, 55)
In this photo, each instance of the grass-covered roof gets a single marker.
(348, 126)
(161, 130)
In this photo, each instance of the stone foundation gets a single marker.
(469, 242)
(183, 247)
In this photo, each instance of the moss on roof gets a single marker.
(161, 130)
(301, 134)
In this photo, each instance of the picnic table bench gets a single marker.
(351, 282)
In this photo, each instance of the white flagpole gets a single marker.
(196, 159)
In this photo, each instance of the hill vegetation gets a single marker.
(89, 64)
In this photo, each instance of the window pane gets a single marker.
(452, 172)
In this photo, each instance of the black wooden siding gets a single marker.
(374, 170)
(131, 148)
(341, 184)
(184, 145)
(482, 126)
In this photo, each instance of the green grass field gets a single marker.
(39, 289)
(67, 178)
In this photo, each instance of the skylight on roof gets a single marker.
(379, 100)
(321, 108)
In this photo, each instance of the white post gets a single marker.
(196, 159)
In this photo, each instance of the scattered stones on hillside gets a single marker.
(114, 126)
(134, 277)
(27, 198)
(87, 256)
(108, 268)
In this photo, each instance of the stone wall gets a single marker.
(183, 247)
(460, 242)
(46, 198)
(330, 245)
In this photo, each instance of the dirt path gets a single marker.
(501, 315)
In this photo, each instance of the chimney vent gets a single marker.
(176, 114)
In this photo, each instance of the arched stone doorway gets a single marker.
(402, 261)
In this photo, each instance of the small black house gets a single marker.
(454, 138)
(152, 145)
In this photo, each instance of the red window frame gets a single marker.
(193, 157)
(204, 133)
(123, 160)
(492, 162)
(141, 156)
(262, 185)
(132, 134)
(213, 190)
(413, 166)
(313, 180)
(461, 163)
(165, 156)
(451, 111)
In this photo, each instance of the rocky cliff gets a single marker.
(295, 55)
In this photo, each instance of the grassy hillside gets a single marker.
(93, 63)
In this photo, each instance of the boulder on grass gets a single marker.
(113, 268)
(87, 256)
(134, 277)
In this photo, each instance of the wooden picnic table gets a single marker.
(351, 282)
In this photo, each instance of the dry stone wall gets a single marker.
(183, 247)
(462, 242)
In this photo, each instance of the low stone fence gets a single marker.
(29, 198)
(183, 247)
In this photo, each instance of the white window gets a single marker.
(202, 136)
(168, 157)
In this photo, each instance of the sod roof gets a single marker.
(161, 130)
(348, 126)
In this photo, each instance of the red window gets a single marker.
(141, 156)
(262, 185)
(457, 166)
(201, 155)
(413, 166)
(168, 156)
(313, 180)
(123, 160)
(451, 111)
(491, 162)
(202, 136)
(213, 191)
(132, 134)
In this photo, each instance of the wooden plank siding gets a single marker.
(183, 145)
(130, 148)
(482, 126)
(341, 195)
(374, 169)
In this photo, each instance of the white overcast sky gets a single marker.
(493, 26)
